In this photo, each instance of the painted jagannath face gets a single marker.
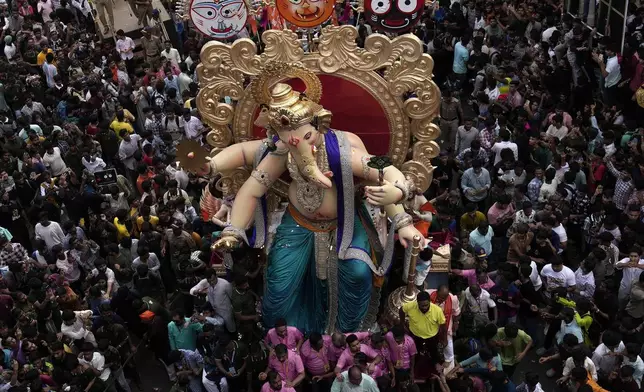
(305, 13)
(219, 19)
(395, 16)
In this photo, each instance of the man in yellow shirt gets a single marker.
(42, 55)
(121, 123)
(471, 219)
(425, 321)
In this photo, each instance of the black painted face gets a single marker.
(393, 16)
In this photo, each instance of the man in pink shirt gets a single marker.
(288, 364)
(346, 359)
(501, 214)
(291, 337)
(276, 384)
(339, 343)
(403, 352)
(315, 356)
(377, 343)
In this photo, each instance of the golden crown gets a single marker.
(288, 109)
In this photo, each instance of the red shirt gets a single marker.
(638, 77)
(91, 130)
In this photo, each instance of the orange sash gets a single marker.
(447, 311)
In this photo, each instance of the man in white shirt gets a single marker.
(547, 33)
(9, 47)
(557, 129)
(534, 272)
(505, 142)
(95, 360)
(45, 8)
(184, 79)
(171, 54)
(354, 380)
(555, 275)
(93, 163)
(73, 326)
(611, 74)
(83, 6)
(128, 147)
(49, 231)
(608, 354)
(478, 302)
(631, 267)
(53, 160)
(192, 126)
(125, 46)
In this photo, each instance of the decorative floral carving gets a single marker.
(230, 183)
(338, 49)
(281, 45)
(220, 137)
(420, 172)
(425, 130)
(425, 150)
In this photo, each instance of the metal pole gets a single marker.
(626, 4)
(411, 275)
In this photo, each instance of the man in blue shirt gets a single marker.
(461, 56)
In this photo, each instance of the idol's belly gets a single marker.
(305, 202)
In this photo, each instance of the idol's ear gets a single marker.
(322, 120)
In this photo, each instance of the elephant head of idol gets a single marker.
(296, 118)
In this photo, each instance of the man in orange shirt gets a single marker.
(144, 174)
(579, 377)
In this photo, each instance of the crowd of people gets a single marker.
(539, 188)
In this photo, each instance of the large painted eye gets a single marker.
(296, 2)
(380, 6)
(206, 12)
(407, 6)
(230, 10)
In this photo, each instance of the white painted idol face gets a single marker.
(219, 19)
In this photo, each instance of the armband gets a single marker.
(262, 177)
(404, 220)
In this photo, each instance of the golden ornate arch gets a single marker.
(396, 72)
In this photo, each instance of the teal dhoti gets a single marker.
(294, 291)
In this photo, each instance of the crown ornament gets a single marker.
(288, 109)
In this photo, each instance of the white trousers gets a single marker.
(211, 386)
(448, 351)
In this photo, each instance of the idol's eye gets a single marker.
(380, 7)
(230, 10)
(296, 2)
(407, 6)
(206, 12)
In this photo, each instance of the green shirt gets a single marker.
(510, 352)
(185, 337)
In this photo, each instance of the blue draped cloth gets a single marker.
(293, 290)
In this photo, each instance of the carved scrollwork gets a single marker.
(230, 183)
(425, 130)
(220, 136)
(338, 50)
(420, 172)
(425, 150)
(415, 77)
(281, 45)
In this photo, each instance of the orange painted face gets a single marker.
(305, 13)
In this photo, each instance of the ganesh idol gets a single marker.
(325, 262)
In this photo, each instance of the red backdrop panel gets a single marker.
(354, 110)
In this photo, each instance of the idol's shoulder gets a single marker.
(353, 139)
